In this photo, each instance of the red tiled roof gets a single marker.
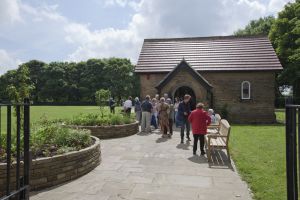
(224, 53)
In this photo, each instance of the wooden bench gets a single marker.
(218, 140)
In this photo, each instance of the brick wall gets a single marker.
(115, 131)
(51, 171)
(227, 91)
(148, 83)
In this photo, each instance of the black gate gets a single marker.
(291, 148)
(18, 188)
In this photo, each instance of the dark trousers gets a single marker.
(112, 110)
(171, 126)
(196, 138)
(185, 124)
(128, 111)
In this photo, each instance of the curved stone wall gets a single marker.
(115, 131)
(51, 171)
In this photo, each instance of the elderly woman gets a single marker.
(164, 116)
(212, 116)
(171, 115)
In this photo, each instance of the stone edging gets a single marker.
(114, 131)
(51, 171)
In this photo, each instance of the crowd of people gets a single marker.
(162, 113)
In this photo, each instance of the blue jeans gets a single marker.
(185, 124)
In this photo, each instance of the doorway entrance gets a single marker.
(183, 90)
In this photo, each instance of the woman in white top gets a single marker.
(176, 104)
(154, 113)
(211, 113)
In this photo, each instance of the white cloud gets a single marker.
(164, 19)
(9, 11)
(7, 62)
(275, 6)
(121, 3)
(44, 33)
(104, 43)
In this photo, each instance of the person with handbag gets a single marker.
(199, 120)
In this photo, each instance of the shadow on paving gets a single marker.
(160, 140)
(184, 146)
(198, 159)
(220, 160)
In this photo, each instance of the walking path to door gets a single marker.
(148, 167)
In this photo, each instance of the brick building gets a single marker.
(230, 73)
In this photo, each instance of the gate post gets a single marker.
(291, 150)
(26, 146)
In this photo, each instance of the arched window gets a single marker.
(246, 90)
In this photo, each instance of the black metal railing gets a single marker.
(21, 188)
(291, 148)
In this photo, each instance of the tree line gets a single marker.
(284, 34)
(59, 82)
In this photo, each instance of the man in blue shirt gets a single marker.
(146, 115)
(184, 110)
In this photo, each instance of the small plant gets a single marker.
(224, 111)
(101, 97)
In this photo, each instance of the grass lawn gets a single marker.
(259, 154)
(54, 112)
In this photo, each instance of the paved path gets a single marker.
(147, 167)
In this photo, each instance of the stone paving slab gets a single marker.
(148, 167)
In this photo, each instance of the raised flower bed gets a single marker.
(110, 126)
(50, 171)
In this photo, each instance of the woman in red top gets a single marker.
(199, 120)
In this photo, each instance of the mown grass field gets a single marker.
(259, 154)
(54, 112)
(258, 150)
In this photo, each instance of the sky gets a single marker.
(76, 30)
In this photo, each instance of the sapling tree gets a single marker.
(101, 97)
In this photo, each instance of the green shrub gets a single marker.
(116, 119)
(48, 139)
(224, 111)
(92, 119)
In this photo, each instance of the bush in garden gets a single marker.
(48, 138)
(91, 119)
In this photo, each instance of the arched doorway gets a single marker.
(183, 90)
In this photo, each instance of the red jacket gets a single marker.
(199, 120)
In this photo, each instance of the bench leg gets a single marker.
(208, 153)
(228, 154)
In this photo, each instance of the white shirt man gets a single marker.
(128, 105)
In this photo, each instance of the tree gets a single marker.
(36, 69)
(22, 89)
(260, 26)
(75, 82)
(285, 37)
(125, 82)
(101, 97)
